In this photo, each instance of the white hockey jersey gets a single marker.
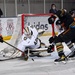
(31, 42)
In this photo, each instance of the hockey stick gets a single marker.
(12, 46)
(53, 31)
(16, 49)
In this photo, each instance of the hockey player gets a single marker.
(67, 36)
(29, 39)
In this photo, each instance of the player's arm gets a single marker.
(35, 32)
(40, 32)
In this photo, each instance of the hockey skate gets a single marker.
(62, 59)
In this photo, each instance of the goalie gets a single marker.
(30, 40)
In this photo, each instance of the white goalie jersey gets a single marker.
(29, 39)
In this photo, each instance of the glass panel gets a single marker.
(10, 8)
(37, 6)
(69, 4)
(22, 6)
(2, 6)
(50, 2)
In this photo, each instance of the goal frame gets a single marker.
(30, 15)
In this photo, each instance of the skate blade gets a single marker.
(61, 62)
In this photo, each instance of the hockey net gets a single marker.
(39, 21)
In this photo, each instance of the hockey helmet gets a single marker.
(27, 32)
(61, 13)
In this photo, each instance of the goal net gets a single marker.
(39, 21)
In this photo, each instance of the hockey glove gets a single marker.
(1, 39)
(50, 49)
(52, 39)
(51, 19)
(58, 22)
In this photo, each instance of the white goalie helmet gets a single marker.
(27, 32)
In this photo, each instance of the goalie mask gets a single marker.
(27, 32)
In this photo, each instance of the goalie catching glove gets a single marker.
(50, 48)
(1, 39)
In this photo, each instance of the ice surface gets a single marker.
(40, 65)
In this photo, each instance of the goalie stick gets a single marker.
(12, 46)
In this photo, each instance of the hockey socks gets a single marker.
(61, 54)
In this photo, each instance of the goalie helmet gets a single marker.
(27, 32)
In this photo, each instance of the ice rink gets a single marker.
(40, 65)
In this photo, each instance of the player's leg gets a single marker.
(59, 48)
(57, 41)
(70, 35)
(61, 54)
